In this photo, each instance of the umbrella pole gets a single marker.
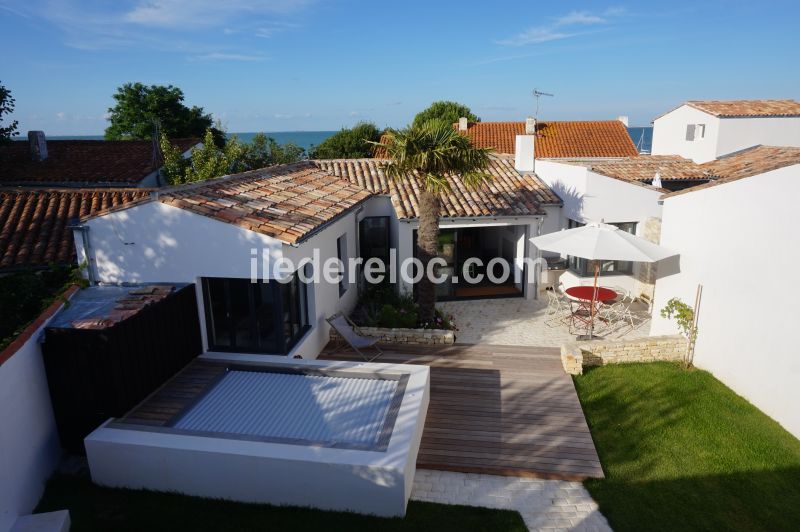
(594, 295)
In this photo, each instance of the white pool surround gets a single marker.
(356, 451)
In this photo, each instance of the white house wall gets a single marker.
(669, 134)
(740, 243)
(154, 242)
(739, 133)
(591, 197)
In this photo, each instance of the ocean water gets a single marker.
(304, 139)
(642, 137)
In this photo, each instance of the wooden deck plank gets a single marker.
(499, 410)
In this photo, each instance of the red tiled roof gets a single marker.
(81, 162)
(33, 222)
(747, 108)
(287, 202)
(746, 163)
(558, 139)
(509, 193)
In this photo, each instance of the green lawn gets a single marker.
(681, 451)
(103, 509)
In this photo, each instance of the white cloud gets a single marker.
(165, 25)
(205, 13)
(563, 27)
(61, 115)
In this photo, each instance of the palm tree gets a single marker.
(432, 151)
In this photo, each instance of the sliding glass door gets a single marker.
(263, 317)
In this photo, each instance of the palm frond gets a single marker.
(433, 151)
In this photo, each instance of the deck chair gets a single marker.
(350, 333)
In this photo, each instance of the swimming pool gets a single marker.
(332, 435)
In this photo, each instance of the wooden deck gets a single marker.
(500, 410)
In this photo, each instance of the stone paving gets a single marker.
(518, 321)
(543, 504)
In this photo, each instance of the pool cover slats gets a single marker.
(294, 408)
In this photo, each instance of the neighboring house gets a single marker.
(83, 163)
(705, 130)
(599, 139)
(737, 238)
(35, 223)
(47, 185)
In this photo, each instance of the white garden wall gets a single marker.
(739, 240)
(29, 445)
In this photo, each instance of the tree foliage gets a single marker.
(6, 108)
(139, 106)
(210, 160)
(349, 143)
(445, 111)
(432, 150)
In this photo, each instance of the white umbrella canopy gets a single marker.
(599, 241)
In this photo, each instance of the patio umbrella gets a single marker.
(599, 241)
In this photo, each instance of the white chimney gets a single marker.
(37, 145)
(623, 119)
(463, 123)
(523, 153)
(530, 126)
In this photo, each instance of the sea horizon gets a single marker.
(642, 137)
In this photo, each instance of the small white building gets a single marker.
(705, 130)
(592, 193)
(737, 237)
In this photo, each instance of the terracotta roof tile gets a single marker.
(81, 162)
(644, 167)
(287, 202)
(747, 108)
(558, 139)
(509, 193)
(746, 163)
(34, 222)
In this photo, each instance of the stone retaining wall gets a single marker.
(577, 355)
(405, 336)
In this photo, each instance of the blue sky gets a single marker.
(280, 65)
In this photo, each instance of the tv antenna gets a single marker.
(538, 94)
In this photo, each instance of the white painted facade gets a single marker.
(154, 242)
(28, 433)
(720, 136)
(592, 197)
(740, 244)
(372, 482)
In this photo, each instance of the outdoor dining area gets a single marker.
(603, 311)
(591, 309)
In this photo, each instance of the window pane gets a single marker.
(241, 318)
(264, 305)
(218, 322)
(341, 250)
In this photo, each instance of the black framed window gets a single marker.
(263, 317)
(585, 268)
(341, 252)
(373, 238)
